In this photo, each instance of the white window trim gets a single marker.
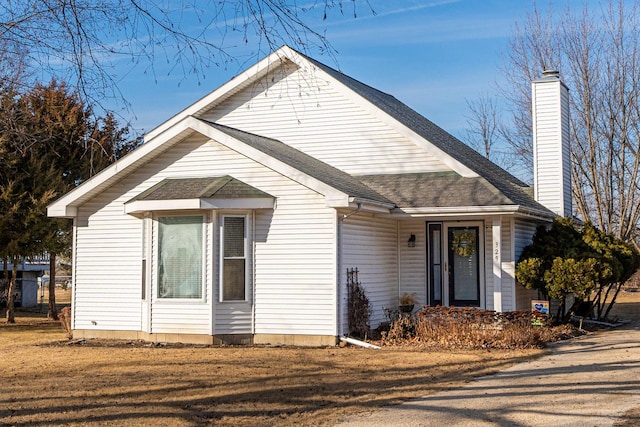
(155, 288)
(222, 257)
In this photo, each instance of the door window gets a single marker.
(464, 266)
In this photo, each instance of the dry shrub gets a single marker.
(472, 328)
(359, 311)
(65, 321)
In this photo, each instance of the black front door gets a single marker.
(464, 266)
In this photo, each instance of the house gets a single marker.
(237, 219)
(28, 280)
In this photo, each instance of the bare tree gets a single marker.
(485, 132)
(598, 54)
(482, 124)
(80, 40)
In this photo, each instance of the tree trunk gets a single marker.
(12, 288)
(5, 280)
(53, 310)
(613, 301)
(560, 313)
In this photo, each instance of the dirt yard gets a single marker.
(49, 381)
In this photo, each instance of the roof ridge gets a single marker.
(218, 184)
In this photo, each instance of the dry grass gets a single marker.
(46, 381)
(63, 296)
(627, 306)
(49, 382)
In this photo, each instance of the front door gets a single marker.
(454, 264)
(464, 266)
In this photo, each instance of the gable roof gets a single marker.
(196, 188)
(340, 188)
(199, 193)
(496, 186)
(425, 128)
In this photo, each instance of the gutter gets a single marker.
(380, 205)
(471, 210)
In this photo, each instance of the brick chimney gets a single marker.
(551, 153)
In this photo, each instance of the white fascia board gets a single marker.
(448, 160)
(465, 209)
(140, 206)
(240, 203)
(537, 214)
(253, 73)
(60, 211)
(370, 205)
(457, 210)
(472, 210)
(65, 205)
(331, 194)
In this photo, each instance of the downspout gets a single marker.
(74, 270)
(253, 272)
(398, 256)
(339, 239)
(355, 211)
(354, 341)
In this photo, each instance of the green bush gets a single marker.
(591, 265)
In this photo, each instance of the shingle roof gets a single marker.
(510, 186)
(441, 189)
(315, 168)
(224, 187)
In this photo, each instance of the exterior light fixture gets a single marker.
(412, 241)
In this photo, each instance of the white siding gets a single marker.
(108, 269)
(301, 109)
(413, 261)
(552, 157)
(523, 233)
(488, 266)
(508, 266)
(295, 265)
(294, 272)
(369, 243)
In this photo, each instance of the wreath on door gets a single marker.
(464, 244)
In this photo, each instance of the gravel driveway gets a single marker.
(590, 381)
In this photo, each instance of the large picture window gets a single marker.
(234, 260)
(180, 256)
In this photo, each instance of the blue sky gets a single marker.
(432, 55)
